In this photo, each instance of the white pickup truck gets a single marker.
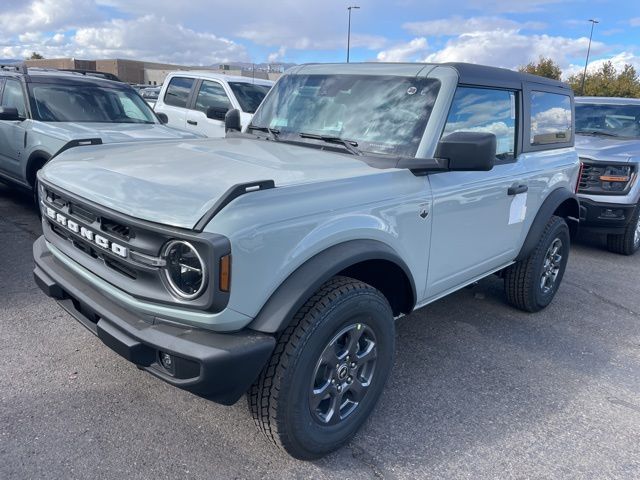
(199, 100)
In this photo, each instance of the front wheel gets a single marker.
(328, 370)
(530, 284)
(627, 243)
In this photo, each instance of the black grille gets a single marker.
(590, 178)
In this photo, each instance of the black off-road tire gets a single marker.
(280, 399)
(626, 243)
(523, 279)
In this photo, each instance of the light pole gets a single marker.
(349, 30)
(584, 74)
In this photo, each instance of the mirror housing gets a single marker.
(217, 113)
(163, 118)
(468, 151)
(9, 113)
(232, 121)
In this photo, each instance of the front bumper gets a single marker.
(605, 217)
(218, 366)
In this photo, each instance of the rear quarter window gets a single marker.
(178, 91)
(551, 118)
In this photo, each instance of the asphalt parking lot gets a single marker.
(478, 390)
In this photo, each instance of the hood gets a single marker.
(113, 132)
(608, 148)
(176, 183)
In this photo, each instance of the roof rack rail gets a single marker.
(14, 67)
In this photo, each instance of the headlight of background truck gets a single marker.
(606, 178)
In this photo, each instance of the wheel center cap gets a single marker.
(343, 371)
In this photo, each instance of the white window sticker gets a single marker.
(518, 209)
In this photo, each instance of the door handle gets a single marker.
(517, 188)
(192, 122)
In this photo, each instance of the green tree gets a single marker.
(545, 67)
(606, 81)
(35, 56)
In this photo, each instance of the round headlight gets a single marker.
(185, 271)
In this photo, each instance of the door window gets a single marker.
(211, 94)
(550, 118)
(485, 110)
(13, 96)
(178, 91)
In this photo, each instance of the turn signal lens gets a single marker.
(225, 273)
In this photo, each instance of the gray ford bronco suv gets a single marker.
(608, 143)
(273, 262)
(44, 112)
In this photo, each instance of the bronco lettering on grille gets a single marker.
(87, 234)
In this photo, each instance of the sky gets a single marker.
(504, 33)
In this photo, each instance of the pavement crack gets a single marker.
(22, 227)
(368, 460)
(602, 298)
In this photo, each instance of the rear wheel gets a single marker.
(531, 284)
(627, 243)
(327, 371)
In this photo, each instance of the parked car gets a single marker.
(199, 101)
(608, 142)
(44, 112)
(274, 262)
(150, 95)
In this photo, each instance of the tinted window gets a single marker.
(381, 114)
(178, 91)
(88, 103)
(485, 110)
(602, 119)
(211, 94)
(550, 118)
(12, 96)
(249, 95)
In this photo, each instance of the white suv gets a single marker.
(199, 100)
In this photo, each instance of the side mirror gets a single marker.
(232, 121)
(9, 113)
(468, 151)
(217, 113)
(163, 118)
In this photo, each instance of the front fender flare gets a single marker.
(291, 295)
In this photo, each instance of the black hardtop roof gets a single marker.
(473, 74)
(61, 77)
(468, 73)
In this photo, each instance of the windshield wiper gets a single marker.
(350, 145)
(273, 132)
(597, 132)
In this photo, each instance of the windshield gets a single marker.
(249, 95)
(379, 114)
(616, 120)
(88, 103)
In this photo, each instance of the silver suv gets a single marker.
(608, 142)
(274, 262)
(44, 112)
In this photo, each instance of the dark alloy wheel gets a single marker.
(343, 374)
(531, 283)
(328, 370)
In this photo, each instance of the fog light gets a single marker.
(166, 361)
(611, 213)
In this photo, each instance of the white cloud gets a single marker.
(619, 61)
(510, 48)
(140, 39)
(635, 22)
(404, 52)
(458, 25)
(278, 56)
(17, 17)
